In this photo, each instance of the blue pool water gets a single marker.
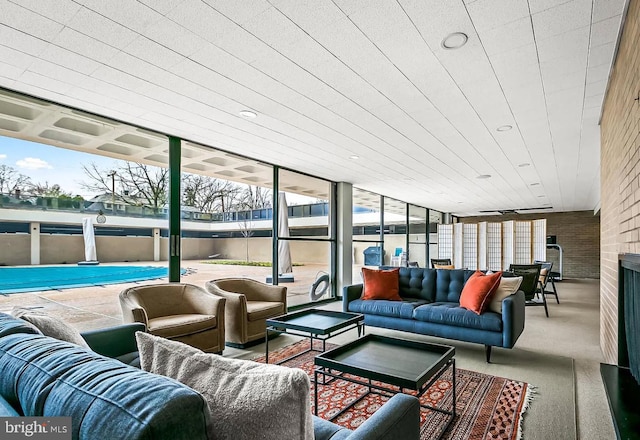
(30, 279)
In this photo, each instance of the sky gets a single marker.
(55, 165)
(44, 163)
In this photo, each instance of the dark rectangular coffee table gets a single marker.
(314, 324)
(407, 365)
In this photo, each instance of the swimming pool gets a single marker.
(30, 279)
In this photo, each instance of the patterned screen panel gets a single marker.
(445, 241)
(458, 245)
(494, 246)
(523, 243)
(482, 245)
(540, 240)
(508, 243)
(470, 246)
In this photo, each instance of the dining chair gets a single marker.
(546, 278)
(440, 262)
(530, 274)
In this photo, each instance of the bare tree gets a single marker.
(255, 197)
(208, 194)
(44, 190)
(144, 184)
(246, 230)
(11, 180)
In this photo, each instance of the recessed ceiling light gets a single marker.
(504, 128)
(483, 176)
(248, 114)
(526, 164)
(535, 184)
(354, 157)
(455, 40)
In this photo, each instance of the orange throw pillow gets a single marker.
(476, 294)
(381, 284)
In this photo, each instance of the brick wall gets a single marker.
(578, 232)
(620, 175)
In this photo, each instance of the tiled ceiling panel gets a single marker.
(334, 79)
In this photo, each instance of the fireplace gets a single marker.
(622, 381)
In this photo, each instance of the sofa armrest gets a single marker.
(115, 341)
(398, 418)
(350, 293)
(513, 313)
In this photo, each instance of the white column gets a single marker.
(156, 244)
(34, 230)
(344, 236)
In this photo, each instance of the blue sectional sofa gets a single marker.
(431, 306)
(108, 399)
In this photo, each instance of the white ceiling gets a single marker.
(333, 79)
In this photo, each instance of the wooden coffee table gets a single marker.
(407, 365)
(314, 324)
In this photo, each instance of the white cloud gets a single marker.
(33, 163)
(3, 156)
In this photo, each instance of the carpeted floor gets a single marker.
(488, 407)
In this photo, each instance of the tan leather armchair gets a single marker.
(177, 311)
(249, 304)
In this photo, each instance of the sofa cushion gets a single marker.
(175, 326)
(452, 314)
(449, 284)
(259, 310)
(7, 410)
(478, 290)
(50, 325)
(417, 283)
(106, 399)
(395, 309)
(246, 399)
(10, 325)
(325, 430)
(507, 287)
(381, 284)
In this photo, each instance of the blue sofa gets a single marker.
(431, 306)
(108, 399)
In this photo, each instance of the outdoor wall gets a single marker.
(112, 249)
(620, 175)
(15, 249)
(578, 232)
(259, 249)
(69, 249)
(195, 248)
(62, 249)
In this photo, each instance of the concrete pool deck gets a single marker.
(95, 307)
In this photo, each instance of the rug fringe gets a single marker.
(532, 391)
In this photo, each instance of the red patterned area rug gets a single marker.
(488, 407)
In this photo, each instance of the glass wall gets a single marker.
(395, 232)
(367, 241)
(66, 167)
(418, 237)
(306, 243)
(226, 214)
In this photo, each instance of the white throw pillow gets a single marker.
(246, 399)
(508, 286)
(50, 325)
